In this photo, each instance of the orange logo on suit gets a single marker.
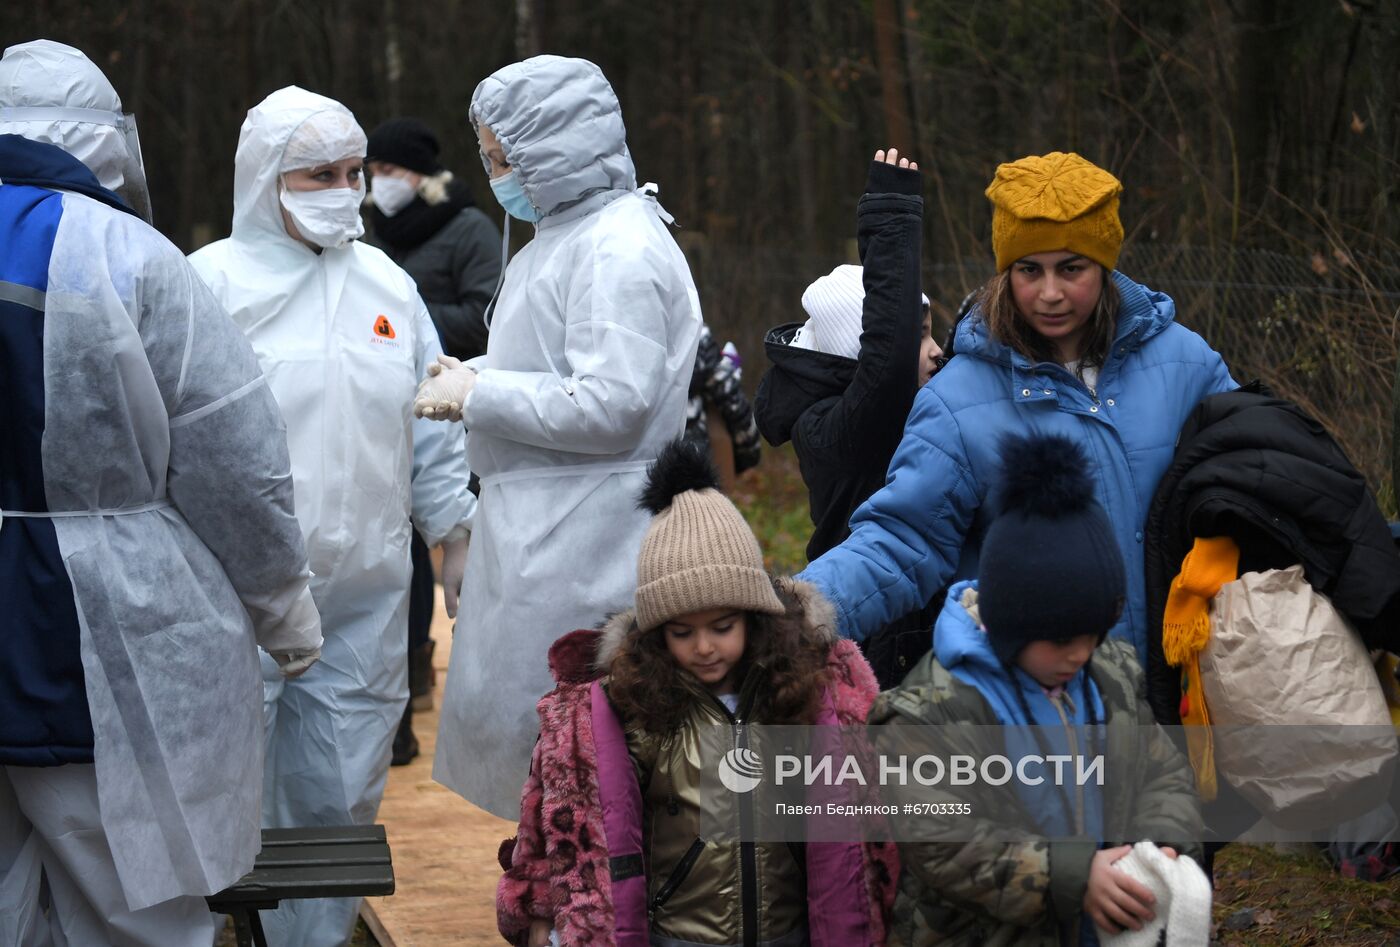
(383, 328)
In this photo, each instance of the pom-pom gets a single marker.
(571, 657)
(682, 465)
(1043, 475)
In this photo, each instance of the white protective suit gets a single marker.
(167, 484)
(583, 381)
(54, 94)
(343, 338)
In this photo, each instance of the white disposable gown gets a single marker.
(343, 338)
(583, 381)
(167, 485)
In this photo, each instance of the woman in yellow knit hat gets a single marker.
(1059, 342)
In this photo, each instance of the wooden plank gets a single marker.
(444, 848)
(382, 935)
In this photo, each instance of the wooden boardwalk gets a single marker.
(444, 848)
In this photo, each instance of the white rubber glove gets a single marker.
(454, 564)
(295, 663)
(442, 394)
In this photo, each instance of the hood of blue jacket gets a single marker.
(40, 164)
(961, 646)
(1144, 313)
(959, 643)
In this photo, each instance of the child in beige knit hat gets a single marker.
(714, 642)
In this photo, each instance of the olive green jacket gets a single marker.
(991, 890)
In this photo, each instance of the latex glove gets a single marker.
(454, 564)
(295, 663)
(442, 394)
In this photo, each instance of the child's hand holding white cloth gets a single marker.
(1181, 892)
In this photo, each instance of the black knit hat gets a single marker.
(406, 142)
(1050, 568)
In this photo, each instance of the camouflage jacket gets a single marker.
(993, 891)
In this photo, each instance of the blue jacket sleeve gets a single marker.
(1220, 379)
(905, 540)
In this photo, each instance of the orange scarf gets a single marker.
(1185, 633)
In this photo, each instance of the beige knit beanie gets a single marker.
(699, 553)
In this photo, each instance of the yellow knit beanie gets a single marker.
(1051, 202)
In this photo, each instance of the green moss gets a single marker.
(1298, 898)
(773, 499)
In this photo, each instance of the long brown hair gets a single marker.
(1006, 324)
(651, 690)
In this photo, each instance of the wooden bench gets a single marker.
(327, 862)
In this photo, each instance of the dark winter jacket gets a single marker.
(981, 888)
(453, 252)
(715, 383)
(44, 717)
(1258, 469)
(845, 417)
(606, 862)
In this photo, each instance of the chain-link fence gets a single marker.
(1321, 331)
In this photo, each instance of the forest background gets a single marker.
(1258, 141)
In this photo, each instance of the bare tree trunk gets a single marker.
(1254, 101)
(804, 156)
(527, 28)
(894, 103)
(190, 165)
(393, 58)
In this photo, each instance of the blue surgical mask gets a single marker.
(512, 197)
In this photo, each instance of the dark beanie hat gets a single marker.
(1050, 568)
(406, 142)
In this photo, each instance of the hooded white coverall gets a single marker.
(162, 476)
(584, 380)
(343, 338)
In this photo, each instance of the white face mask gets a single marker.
(392, 195)
(328, 218)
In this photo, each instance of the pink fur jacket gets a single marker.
(577, 860)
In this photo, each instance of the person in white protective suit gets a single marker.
(583, 382)
(343, 337)
(148, 542)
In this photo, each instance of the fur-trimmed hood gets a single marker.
(580, 857)
(585, 655)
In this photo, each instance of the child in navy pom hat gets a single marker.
(1014, 648)
(1050, 569)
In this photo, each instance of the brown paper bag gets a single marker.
(1301, 726)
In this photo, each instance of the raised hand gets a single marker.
(892, 157)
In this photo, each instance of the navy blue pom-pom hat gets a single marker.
(1050, 568)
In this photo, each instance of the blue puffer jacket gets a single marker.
(924, 528)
